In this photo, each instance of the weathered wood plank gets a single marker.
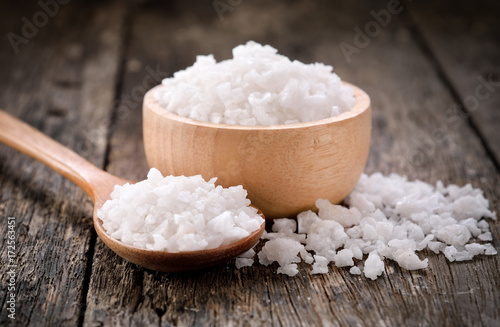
(430, 145)
(410, 105)
(62, 82)
(467, 48)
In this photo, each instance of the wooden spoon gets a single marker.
(98, 184)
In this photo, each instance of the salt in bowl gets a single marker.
(284, 168)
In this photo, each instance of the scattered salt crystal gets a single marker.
(306, 256)
(245, 259)
(483, 225)
(454, 234)
(402, 244)
(475, 248)
(178, 213)
(305, 220)
(301, 238)
(356, 252)
(243, 262)
(472, 225)
(360, 201)
(486, 236)
(325, 236)
(374, 266)
(450, 252)
(289, 269)
(463, 256)
(355, 270)
(320, 265)
(409, 260)
(369, 230)
(474, 205)
(395, 219)
(284, 225)
(436, 247)
(490, 250)
(256, 87)
(425, 242)
(346, 217)
(248, 254)
(283, 250)
(343, 258)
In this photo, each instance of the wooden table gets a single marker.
(78, 71)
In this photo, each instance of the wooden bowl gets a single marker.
(284, 168)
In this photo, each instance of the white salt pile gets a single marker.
(388, 217)
(256, 87)
(178, 213)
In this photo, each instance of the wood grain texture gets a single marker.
(418, 130)
(94, 181)
(55, 83)
(467, 52)
(407, 96)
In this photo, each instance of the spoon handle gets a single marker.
(37, 145)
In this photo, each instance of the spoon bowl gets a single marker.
(177, 261)
(99, 184)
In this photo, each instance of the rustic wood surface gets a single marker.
(81, 77)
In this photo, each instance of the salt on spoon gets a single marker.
(99, 184)
(178, 213)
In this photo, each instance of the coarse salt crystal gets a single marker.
(320, 265)
(177, 213)
(395, 219)
(450, 252)
(486, 236)
(243, 262)
(283, 250)
(355, 270)
(475, 248)
(343, 258)
(490, 250)
(374, 266)
(256, 87)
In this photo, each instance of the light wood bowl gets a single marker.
(284, 168)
